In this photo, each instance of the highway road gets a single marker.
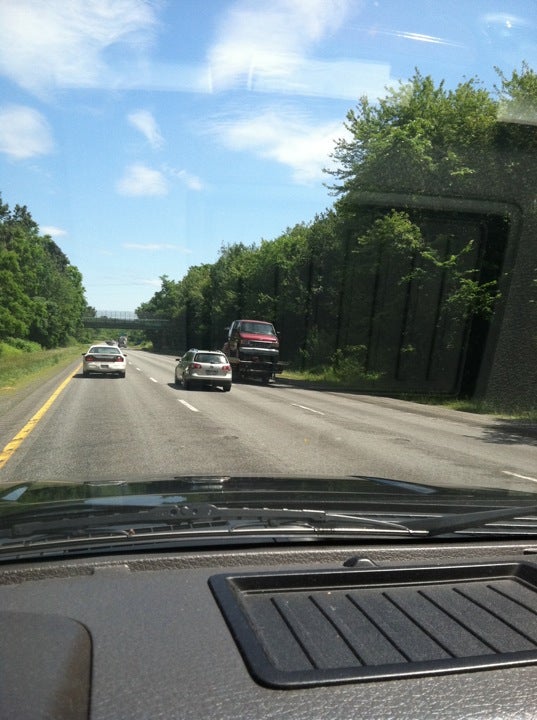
(109, 428)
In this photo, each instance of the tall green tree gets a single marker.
(420, 138)
(41, 293)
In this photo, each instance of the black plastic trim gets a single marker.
(324, 627)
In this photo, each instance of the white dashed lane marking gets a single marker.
(305, 407)
(522, 477)
(188, 405)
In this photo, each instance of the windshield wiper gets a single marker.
(84, 520)
(204, 515)
(443, 524)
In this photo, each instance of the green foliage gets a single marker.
(349, 361)
(420, 138)
(394, 238)
(345, 368)
(41, 293)
(517, 107)
(24, 345)
(394, 233)
(473, 298)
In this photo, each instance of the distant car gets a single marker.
(203, 367)
(104, 360)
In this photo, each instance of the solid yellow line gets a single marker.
(14, 444)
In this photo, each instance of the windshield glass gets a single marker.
(356, 178)
(259, 328)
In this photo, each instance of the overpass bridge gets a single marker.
(124, 320)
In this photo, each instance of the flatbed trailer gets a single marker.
(258, 368)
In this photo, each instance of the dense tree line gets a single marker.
(409, 268)
(41, 293)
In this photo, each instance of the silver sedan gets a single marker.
(203, 367)
(104, 360)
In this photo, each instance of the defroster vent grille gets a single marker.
(354, 625)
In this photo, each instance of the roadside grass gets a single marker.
(330, 376)
(369, 383)
(480, 407)
(19, 368)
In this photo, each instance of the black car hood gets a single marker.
(349, 492)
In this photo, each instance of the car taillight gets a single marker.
(89, 358)
(195, 366)
(118, 358)
(226, 368)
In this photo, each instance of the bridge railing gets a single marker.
(126, 320)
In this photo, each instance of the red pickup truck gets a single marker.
(253, 349)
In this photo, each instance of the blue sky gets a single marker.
(144, 135)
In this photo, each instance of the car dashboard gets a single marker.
(299, 631)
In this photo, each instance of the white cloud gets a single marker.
(272, 50)
(144, 121)
(139, 179)
(504, 21)
(52, 231)
(47, 44)
(60, 43)
(24, 132)
(192, 182)
(271, 44)
(285, 138)
(142, 180)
